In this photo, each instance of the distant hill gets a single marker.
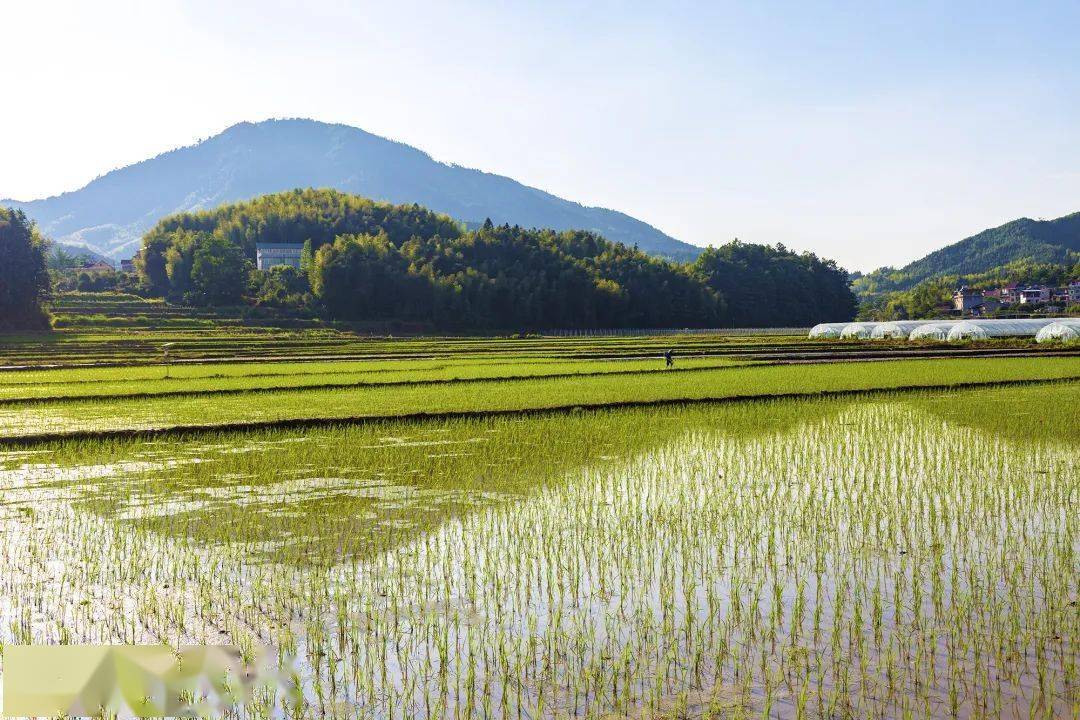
(78, 251)
(1043, 241)
(924, 299)
(1037, 241)
(249, 159)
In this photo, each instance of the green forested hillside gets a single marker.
(921, 301)
(365, 260)
(1054, 242)
(317, 216)
(506, 277)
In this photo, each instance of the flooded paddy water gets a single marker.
(903, 555)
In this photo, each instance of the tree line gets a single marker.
(366, 260)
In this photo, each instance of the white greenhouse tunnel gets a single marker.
(827, 330)
(984, 329)
(895, 330)
(965, 330)
(931, 331)
(857, 330)
(1061, 330)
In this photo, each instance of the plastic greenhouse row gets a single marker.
(1042, 329)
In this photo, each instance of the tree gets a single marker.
(177, 263)
(307, 258)
(362, 277)
(296, 216)
(282, 286)
(61, 259)
(24, 274)
(151, 264)
(219, 271)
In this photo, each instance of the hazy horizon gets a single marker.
(868, 135)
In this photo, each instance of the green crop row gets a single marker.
(158, 380)
(524, 394)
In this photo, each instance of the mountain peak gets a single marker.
(248, 159)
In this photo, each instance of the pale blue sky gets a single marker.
(867, 132)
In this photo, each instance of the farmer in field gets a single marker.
(166, 358)
(669, 358)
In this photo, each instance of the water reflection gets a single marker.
(784, 559)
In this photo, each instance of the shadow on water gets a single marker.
(320, 497)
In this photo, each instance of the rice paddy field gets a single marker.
(556, 527)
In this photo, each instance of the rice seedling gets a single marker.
(112, 383)
(903, 555)
(516, 394)
(139, 346)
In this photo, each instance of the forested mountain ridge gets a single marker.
(924, 299)
(367, 260)
(111, 213)
(1025, 240)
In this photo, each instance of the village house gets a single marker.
(968, 301)
(989, 305)
(1060, 295)
(965, 299)
(1035, 294)
(268, 255)
(980, 302)
(96, 267)
(1015, 294)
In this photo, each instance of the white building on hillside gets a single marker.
(268, 255)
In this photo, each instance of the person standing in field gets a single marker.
(669, 358)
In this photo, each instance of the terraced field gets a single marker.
(84, 341)
(41, 410)
(554, 527)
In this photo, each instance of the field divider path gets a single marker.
(21, 441)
